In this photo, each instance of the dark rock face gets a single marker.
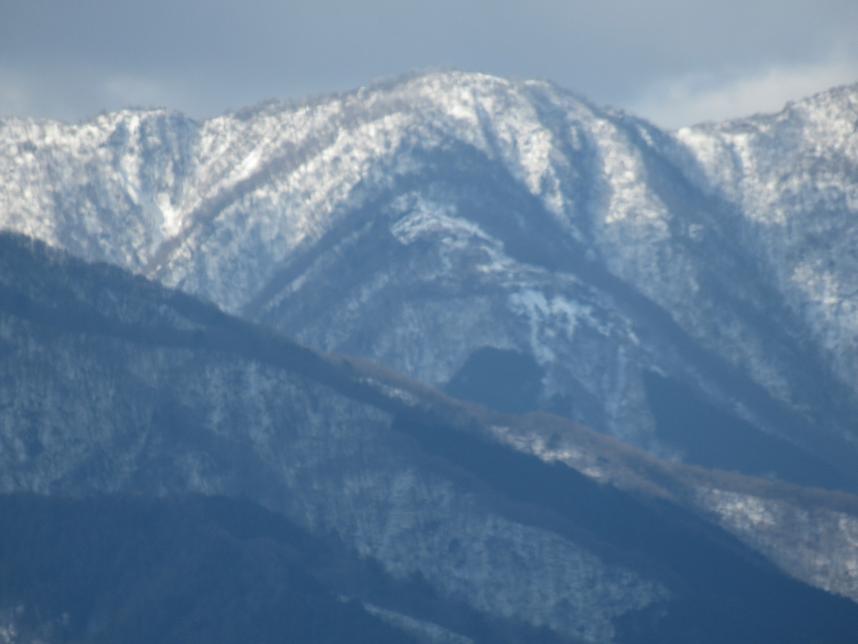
(504, 380)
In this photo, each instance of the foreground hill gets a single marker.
(194, 569)
(459, 227)
(497, 526)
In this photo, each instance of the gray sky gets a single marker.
(674, 61)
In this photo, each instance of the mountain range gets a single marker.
(688, 295)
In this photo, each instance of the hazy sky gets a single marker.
(674, 61)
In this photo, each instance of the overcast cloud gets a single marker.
(674, 61)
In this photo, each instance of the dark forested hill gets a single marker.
(195, 569)
(473, 524)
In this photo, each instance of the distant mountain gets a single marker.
(465, 230)
(478, 526)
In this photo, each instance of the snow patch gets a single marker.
(547, 316)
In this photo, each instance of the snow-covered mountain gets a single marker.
(422, 221)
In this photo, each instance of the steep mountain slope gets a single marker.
(112, 384)
(794, 178)
(420, 222)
